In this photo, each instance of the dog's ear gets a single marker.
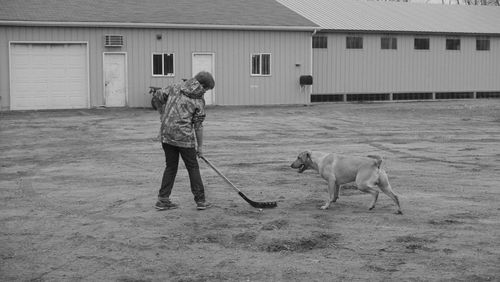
(304, 156)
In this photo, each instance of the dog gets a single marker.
(341, 169)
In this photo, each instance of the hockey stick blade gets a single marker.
(259, 205)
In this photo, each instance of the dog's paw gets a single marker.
(399, 212)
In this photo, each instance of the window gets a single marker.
(388, 43)
(421, 44)
(452, 44)
(483, 44)
(163, 64)
(354, 42)
(320, 42)
(261, 64)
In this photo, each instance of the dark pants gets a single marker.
(171, 164)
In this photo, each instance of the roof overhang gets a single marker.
(158, 25)
(407, 32)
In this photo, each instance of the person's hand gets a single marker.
(199, 152)
(155, 102)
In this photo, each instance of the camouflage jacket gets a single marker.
(182, 109)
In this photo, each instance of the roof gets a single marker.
(377, 16)
(258, 14)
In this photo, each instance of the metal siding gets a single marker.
(234, 85)
(392, 16)
(372, 70)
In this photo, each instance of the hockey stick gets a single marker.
(260, 205)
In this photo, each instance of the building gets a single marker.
(62, 54)
(372, 50)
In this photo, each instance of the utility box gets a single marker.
(306, 80)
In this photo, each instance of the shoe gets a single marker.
(165, 205)
(202, 205)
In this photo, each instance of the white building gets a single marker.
(372, 50)
(68, 54)
(64, 54)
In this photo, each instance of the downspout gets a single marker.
(311, 66)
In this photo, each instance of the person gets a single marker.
(182, 109)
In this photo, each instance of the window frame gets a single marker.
(392, 43)
(422, 38)
(484, 39)
(321, 42)
(454, 39)
(357, 45)
(261, 65)
(172, 74)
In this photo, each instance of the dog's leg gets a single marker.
(385, 186)
(363, 187)
(333, 189)
(365, 181)
(336, 193)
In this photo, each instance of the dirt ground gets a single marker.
(77, 190)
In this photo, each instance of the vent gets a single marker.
(327, 98)
(416, 96)
(454, 95)
(487, 95)
(367, 97)
(412, 96)
(113, 40)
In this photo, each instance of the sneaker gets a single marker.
(165, 205)
(202, 205)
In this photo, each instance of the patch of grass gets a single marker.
(245, 237)
(444, 222)
(275, 224)
(414, 239)
(315, 241)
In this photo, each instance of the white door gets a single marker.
(205, 62)
(115, 84)
(48, 76)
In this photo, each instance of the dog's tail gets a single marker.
(377, 158)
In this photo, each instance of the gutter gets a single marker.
(157, 25)
(410, 32)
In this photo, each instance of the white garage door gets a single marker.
(48, 76)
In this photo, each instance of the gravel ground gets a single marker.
(77, 189)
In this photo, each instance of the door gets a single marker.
(48, 76)
(205, 62)
(115, 79)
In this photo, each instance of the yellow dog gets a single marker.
(341, 169)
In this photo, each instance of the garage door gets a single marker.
(48, 76)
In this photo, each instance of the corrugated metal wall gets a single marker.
(234, 85)
(338, 70)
